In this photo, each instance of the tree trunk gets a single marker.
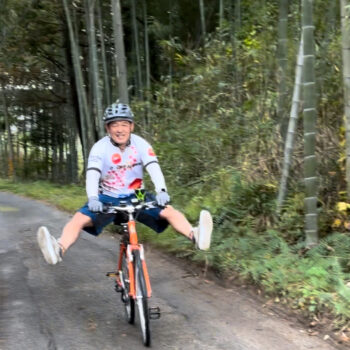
(10, 166)
(61, 160)
(237, 15)
(147, 55)
(70, 109)
(221, 14)
(3, 156)
(70, 125)
(345, 27)
(309, 114)
(120, 53)
(107, 94)
(148, 114)
(87, 136)
(137, 50)
(54, 157)
(289, 144)
(94, 68)
(48, 137)
(202, 14)
(282, 67)
(25, 148)
(236, 29)
(170, 68)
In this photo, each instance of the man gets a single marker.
(115, 170)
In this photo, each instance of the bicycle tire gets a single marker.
(142, 300)
(129, 303)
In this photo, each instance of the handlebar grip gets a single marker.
(105, 207)
(161, 206)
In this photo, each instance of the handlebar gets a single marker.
(129, 208)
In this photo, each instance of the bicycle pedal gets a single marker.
(118, 288)
(111, 274)
(154, 313)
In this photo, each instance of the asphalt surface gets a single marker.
(73, 306)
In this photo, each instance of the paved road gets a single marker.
(72, 306)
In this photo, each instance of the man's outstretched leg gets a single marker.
(52, 249)
(200, 235)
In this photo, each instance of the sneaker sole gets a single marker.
(205, 230)
(45, 244)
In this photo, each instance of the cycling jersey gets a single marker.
(122, 172)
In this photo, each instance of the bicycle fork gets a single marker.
(154, 312)
(131, 268)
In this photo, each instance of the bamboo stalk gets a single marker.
(310, 115)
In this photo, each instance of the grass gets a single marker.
(65, 197)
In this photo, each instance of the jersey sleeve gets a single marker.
(95, 158)
(94, 170)
(147, 154)
(150, 163)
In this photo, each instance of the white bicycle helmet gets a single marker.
(118, 111)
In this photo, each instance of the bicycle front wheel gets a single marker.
(129, 303)
(142, 300)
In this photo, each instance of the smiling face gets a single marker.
(120, 131)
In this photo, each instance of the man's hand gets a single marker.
(162, 198)
(95, 205)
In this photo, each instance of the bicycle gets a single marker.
(132, 278)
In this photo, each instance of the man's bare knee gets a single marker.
(168, 211)
(81, 220)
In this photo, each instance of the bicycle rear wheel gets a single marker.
(142, 300)
(129, 303)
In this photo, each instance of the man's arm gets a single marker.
(156, 175)
(150, 162)
(92, 181)
(158, 180)
(93, 175)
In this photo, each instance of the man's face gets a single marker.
(120, 131)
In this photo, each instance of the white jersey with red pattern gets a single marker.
(121, 172)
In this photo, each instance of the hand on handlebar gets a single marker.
(162, 198)
(95, 205)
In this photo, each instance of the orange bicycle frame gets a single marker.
(134, 245)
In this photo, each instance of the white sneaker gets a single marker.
(202, 233)
(49, 246)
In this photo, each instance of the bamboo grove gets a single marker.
(261, 87)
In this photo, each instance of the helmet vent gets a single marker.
(118, 111)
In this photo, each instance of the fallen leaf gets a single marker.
(92, 325)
